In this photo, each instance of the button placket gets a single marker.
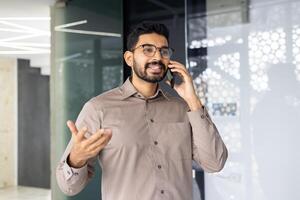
(67, 171)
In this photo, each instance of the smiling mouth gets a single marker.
(155, 67)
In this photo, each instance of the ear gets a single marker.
(128, 57)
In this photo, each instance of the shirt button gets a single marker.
(155, 142)
(162, 191)
(159, 166)
(202, 116)
(151, 120)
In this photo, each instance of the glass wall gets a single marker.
(86, 61)
(245, 61)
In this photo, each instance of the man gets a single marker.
(145, 139)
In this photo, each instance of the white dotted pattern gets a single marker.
(265, 47)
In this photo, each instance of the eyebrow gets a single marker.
(155, 45)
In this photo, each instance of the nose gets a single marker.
(157, 55)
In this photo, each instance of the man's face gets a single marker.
(150, 68)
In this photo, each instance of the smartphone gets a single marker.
(170, 76)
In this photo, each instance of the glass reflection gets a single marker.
(296, 50)
(245, 63)
(267, 47)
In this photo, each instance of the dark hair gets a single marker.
(145, 28)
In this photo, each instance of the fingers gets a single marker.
(178, 67)
(108, 131)
(98, 135)
(101, 143)
(174, 64)
(181, 72)
(72, 127)
(81, 133)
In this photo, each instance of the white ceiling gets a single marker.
(25, 31)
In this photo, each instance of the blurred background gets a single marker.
(243, 55)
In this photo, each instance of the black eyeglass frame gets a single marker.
(171, 50)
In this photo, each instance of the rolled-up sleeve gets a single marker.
(209, 150)
(73, 180)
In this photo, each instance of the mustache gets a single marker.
(159, 63)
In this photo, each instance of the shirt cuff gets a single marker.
(70, 172)
(199, 115)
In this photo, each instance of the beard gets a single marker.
(142, 72)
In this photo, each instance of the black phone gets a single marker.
(170, 76)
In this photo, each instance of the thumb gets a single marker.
(72, 127)
(168, 82)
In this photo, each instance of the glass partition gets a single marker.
(86, 61)
(244, 57)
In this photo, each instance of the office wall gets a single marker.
(8, 121)
(33, 126)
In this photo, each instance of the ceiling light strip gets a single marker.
(21, 47)
(23, 27)
(90, 32)
(30, 44)
(22, 37)
(25, 18)
(70, 24)
(14, 30)
(64, 28)
(24, 52)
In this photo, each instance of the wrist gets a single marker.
(74, 162)
(194, 103)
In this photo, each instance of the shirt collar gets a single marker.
(128, 90)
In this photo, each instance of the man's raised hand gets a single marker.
(85, 148)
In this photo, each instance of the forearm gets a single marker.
(71, 180)
(194, 103)
(73, 161)
(209, 149)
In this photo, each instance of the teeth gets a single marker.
(155, 67)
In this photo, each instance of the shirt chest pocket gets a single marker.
(176, 138)
(128, 131)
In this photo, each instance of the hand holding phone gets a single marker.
(170, 77)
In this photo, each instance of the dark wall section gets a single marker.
(196, 29)
(33, 127)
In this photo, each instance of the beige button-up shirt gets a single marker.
(154, 141)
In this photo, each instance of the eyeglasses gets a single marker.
(150, 50)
